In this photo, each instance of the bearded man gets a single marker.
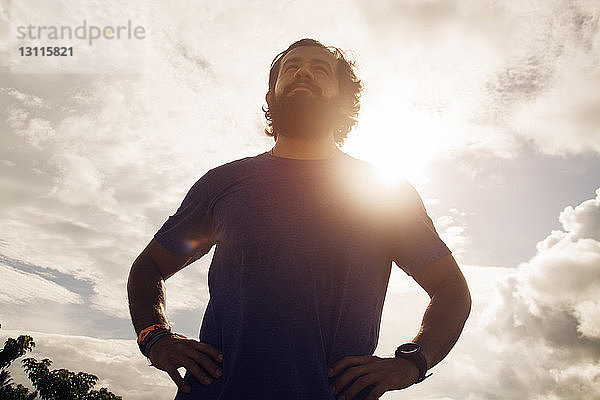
(305, 237)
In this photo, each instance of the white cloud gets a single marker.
(453, 232)
(95, 185)
(548, 311)
(490, 77)
(583, 221)
(188, 289)
(27, 99)
(18, 287)
(566, 119)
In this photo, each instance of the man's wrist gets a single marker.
(148, 346)
(413, 353)
(409, 368)
(147, 335)
(424, 351)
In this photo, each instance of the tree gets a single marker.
(58, 384)
(62, 384)
(13, 349)
(18, 392)
(102, 394)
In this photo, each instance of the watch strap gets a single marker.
(416, 356)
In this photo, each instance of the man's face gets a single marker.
(306, 94)
(310, 67)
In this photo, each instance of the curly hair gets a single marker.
(350, 88)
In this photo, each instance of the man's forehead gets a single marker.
(313, 52)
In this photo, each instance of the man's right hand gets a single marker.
(200, 359)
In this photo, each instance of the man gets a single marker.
(305, 237)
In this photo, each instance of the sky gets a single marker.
(490, 109)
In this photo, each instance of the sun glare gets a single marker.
(398, 142)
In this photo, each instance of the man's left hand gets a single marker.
(383, 374)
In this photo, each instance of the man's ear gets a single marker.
(268, 98)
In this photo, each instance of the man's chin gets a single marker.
(302, 113)
(306, 126)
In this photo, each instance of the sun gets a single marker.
(399, 143)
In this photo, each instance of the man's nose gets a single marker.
(304, 71)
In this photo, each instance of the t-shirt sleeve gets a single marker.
(414, 240)
(189, 232)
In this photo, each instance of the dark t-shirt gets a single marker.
(300, 270)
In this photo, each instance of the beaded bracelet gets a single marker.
(146, 331)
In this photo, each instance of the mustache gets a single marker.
(315, 89)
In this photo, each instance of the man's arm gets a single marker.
(442, 324)
(145, 288)
(147, 306)
(448, 309)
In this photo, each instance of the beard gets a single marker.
(301, 115)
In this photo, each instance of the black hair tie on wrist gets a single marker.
(153, 341)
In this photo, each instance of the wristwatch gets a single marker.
(412, 351)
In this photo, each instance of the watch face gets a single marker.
(409, 348)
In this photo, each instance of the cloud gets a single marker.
(453, 232)
(98, 196)
(491, 77)
(18, 287)
(565, 119)
(544, 93)
(546, 319)
(582, 222)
